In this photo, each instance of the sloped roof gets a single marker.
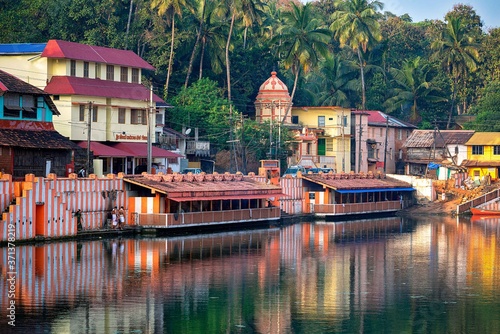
(441, 138)
(378, 118)
(22, 48)
(484, 138)
(10, 83)
(205, 186)
(98, 54)
(41, 139)
(140, 150)
(102, 150)
(355, 181)
(63, 85)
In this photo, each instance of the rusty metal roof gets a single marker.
(441, 138)
(208, 186)
(350, 181)
(484, 138)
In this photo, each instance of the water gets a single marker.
(391, 275)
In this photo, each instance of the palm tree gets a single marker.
(171, 8)
(355, 24)
(458, 53)
(302, 43)
(412, 85)
(334, 82)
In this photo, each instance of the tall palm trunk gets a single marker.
(128, 23)
(228, 78)
(362, 72)
(195, 48)
(453, 99)
(171, 56)
(203, 43)
(295, 80)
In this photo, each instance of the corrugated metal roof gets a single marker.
(91, 53)
(356, 181)
(378, 118)
(95, 87)
(441, 138)
(20, 48)
(206, 186)
(484, 138)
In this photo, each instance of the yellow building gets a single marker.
(325, 139)
(483, 155)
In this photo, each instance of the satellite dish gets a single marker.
(188, 131)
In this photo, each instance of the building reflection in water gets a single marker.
(274, 280)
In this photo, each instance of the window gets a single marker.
(123, 74)
(400, 134)
(94, 113)
(110, 72)
(321, 121)
(345, 121)
(381, 132)
(29, 108)
(477, 149)
(85, 69)
(72, 68)
(12, 107)
(135, 75)
(97, 71)
(496, 150)
(138, 116)
(159, 119)
(400, 154)
(81, 115)
(121, 115)
(295, 119)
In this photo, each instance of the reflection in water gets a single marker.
(382, 275)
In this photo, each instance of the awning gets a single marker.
(140, 150)
(216, 198)
(373, 190)
(101, 150)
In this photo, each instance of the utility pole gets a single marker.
(360, 154)
(89, 128)
(148, 121)
(385, 146)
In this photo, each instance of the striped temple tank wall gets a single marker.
(293, 202)
(45, 206)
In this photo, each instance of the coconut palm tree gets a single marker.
(334, 82)
(355, 25)
(171, 8)
(458, 54)
(412, 86)
(302, 43)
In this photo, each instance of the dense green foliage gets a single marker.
(344, 52)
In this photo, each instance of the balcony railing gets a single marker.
(190, 219)
(355, 208)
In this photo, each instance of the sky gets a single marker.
(419, 10)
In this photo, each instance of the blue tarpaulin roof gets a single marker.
(17, 48)
(373, 190)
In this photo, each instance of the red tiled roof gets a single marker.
(41, 139)
(140, 150)
(63, 85)
(185, 187)
(102, 150)
(347, 181)
(98, 54)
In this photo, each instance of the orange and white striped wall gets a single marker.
(45, 206)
